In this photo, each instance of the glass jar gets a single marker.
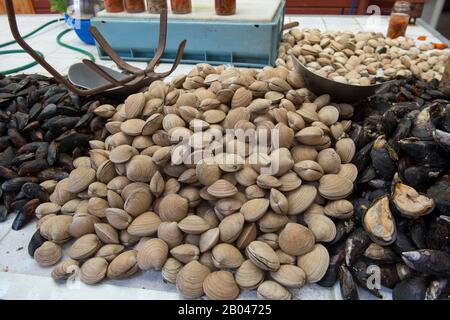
(225, 7)
(156, 6)
(181, 6)
(114, 5)
(399, 19)
(134, 6)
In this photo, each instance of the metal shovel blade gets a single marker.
(340, 92)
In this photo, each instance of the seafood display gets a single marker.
(362, 58)
(43, 128)
(179, 185)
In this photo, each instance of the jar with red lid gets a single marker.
(399, 19)
(134, 6)
(225, 7)
(114, 5)
(181, 6)
(156, 6)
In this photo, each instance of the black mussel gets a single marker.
(401, 132)
(379, 222)
(381, 254)
(420, 177)
(378, 184)
(355, 245)
(70, 111)
(428, 261)
(417, 232)
(84, 120)
(22, 158)
(343, 228)
(3, 213)
(33, 190)
(6, 173)
(60, 124)
(52, 174)
(21, 120)
(16, 138)
(446, 119)
(367, 175)
(18, 204)
(52, 153)
(423, 126)
(410, 289)
(349, 290)
(5, 142)
(360, 205)
(7, 156)
(438, 234)
(389, 276)
(73, 140)
(65, 162)
(35, 110)
(55, 98)
(359, 136)
(337, 257)
(365, 276)
(48, 112)
(402, 243)
(32, 167)
(403, 271)
(30, 147)
(440, 193)
(383, 158)
(16, 184)
(442, 138)
(362, 157)
(436, 288)
(25, 214)
(388, 123)
(42, 152)
(409, 202)
(427, 153)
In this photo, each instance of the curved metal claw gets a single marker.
(162, 42)
(175, 64)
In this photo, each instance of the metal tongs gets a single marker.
(88, 78)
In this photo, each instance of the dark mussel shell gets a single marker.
(362, 158)
(379, 222)
(30, 147)
(337, 257)
(3, 213)
(6, 173)
(428, 261)
(16, 138)
(417, 232)
(7, 157)
(25, 214)
(363, 276)
(349, 290)
(33, 190)
(410, 289)
(409, 202)
(401, 132)
(35, 242)
(438, 234)
(381, 254)
(73, 140)
(360, 205)
(419, 177)
(32, 167)
(442, 138)
(16, 184)
(384, 158)
(355, 245)
(440, 193)
(427, 153)
(423, 127)
(436, 289)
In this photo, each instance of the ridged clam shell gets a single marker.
(56, 228)
(137, 201)
(222, 189)
(266, 181)
(190, 279)
(209, 239)
(254, 209)
(152, 254)
(226, 256)
(271, 290)
(289, 182)
(310, 136)
(241, 98)
(314, 263)
(80, 179)
(246, 176)
(278, 202)
(140, 168)
(110, 251)
(106, 171)
(300, 199)
(97, 207)
(249, 276)
(230, 227)
(122, 153)
(173, 208)
(84, 247)
(193, 224)
(134, 105)
(144, 225)
(118, 218)
(289, 276)
(308, 170)
(322, 227)
(82, 223)
(329, 160)
(170, 270)
(48, 254)
(220, 285)
(328, 115)
(207, 172)
(272, 222)
(335, 187)
(65, 269)
(227, 206)
(296, 239)
(339, 209)
(123, 266)
(185, 252)
(247, 235)
(97, 189)
(93, 270)
(106, 233)
(345, 148)
(263, 256)
(47, 208)
(132, 127)
(349, 171)
(152, 124)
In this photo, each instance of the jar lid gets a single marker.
(402, 5)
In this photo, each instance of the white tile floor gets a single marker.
(61, 58)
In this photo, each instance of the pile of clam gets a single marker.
(361, 58)
(240, 218)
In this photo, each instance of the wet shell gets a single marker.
(194, 225)
(339, 209)
(345, 148)
(271, 290)
(84, 247)
(48, 254)
(314, 263)
(300, 199)
(220, 285)
(263, 256)
(185, 252)
(289, 276)
(379, 222)
(190, 279)
(93, 270)
(110, 251)
(249, 276)
(122, 153)
(226, 256)
(222, 189)
(322, 227)
(254, 209)
(170, 233)
(65, 269)
(106, 233)
(170, 270)
(335, 187)
(231, 227)
(173, 208)
(56, 228)
(123, 266)
(144, 225)
(296, 239)
(152, 254)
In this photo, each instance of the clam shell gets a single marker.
(272, 222)
(134, 105)
(241, 98)
(190, 279)
(271, 290)
(106, 233)
(249, 276)
(118, 218)
(97, 189)
(48, 254)
(247, 235)
(335, 187)
(173, 208)
(226, 256)
(170, 233)
(339, 209)
(138, 201)
(80, 179)
(65, 269)
(132, 127)
(263, 256)
(84, 247)
(47, 208)
(285, 258)
(140, 168)
(266, 181)
(231, 227)
(289, 276)
(144, 225)
(308, 170)
(106, 171)
(193, 225)
(310, 136)
(328, 115)
(93, 270)
(220, 285)
(346, 149)
(185, 252)
(170, 270)
(152, 124)
(254, 209)
(281, 161)
(123, 266)
(314, 263)
(97, 207)
(289, 182)
(296, 239)
(300, 199)
(82, 223)
(209, 239)
(329, 160)
(110, 251)
(349, 171)
(56, 228)
(152, 254)
(122, 153)
(322, 227)
(278, 202)
(227, 206)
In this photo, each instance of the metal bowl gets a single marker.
(340, 92)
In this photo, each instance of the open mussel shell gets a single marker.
(428, 261)
(410, 203)
(379, 222)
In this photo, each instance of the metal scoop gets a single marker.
(340, 92)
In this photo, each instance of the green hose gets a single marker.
(33, 63)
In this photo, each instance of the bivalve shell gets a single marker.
(110, 251)
(314, 263)
(144, 225)
(289, 276)
(123, 266)
(254, 209)
(263, 256)
(173, 208)
(308, 170)
(84, 247)
(93, 270)
(56, 228)
(271, 290)
(345, 148)
(48, 254)
(194, 225)
(339, 209)
(106, 233)
(249, 276)
(185, 252)
(226, 256)
(231, 227)
(152, 254)
(300, 199)
(80, 179)
(220, 285)
(296, 239)
(222, 189)
(190, 279)
(65, 269)
(322, 227)
(335, 187)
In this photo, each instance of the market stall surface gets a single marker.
(22, 278)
